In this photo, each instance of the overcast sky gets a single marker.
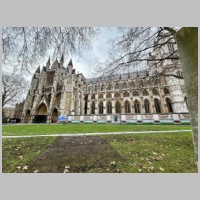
(97, 52)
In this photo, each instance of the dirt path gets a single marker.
(76, 154)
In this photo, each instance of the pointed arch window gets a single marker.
(166, 91)
(93, 96)
(101, 107)
(145, 93)
(127, 107)
(169, 105)
(147, 106)
(109, 107)
(109, 86)
(102, 87)
(132, 84)
(117, 86)
(108, 96)
(118, 107)
(101, 96)
(117, 95)
(58, 99)
(135, 93)
(93, 108)
(155, 92)
(137, 106)
(141, 83)
(126, 94)
(124, 85)
(157, 105)
(185, 99)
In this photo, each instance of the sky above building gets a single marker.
(98, 52)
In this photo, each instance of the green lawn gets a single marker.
(160, 152)
(34, 129)
(18, 153)
(135, 153)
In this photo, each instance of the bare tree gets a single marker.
(13, 87)
(144, 48)
(23, 46)
(139, 47)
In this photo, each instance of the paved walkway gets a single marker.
(87, 134)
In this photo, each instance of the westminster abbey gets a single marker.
(57, 90)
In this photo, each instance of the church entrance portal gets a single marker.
(54, 116)
(41, 114)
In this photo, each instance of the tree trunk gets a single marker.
(187, 40)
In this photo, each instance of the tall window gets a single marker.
(109, 107)
(117, 86)
(93, 108)
(118, 107)
(127, 107)
(135, 93)
(101, 96)
(93, 96)
(137, 106)
(95, 88)
(141, 83)
(185, 99)
(124, 85)
(101, 107)
(58, 98)
(117, 95)
(145, 93)
(166, 91)
(126, 94)
(102, 87)
(157, 105)
(86, 103)
(169, 105)
(132, 84)
(155, 92)
(146, 106)
(108, 96)
(109, 86)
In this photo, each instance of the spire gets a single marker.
(55, 64)
(48, 63)
(38, 70)
(70, 63)
(62, 61)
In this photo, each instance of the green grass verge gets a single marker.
(19, 152)
(154, 153)
(145, 153)
(35, 129)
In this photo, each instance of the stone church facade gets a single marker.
(130, 97)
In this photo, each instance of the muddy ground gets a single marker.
(75, 155)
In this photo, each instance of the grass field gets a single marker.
(131, 153)
(9, 130)
(136, 153)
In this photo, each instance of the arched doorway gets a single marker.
(27, 116)
(54, 115)
(41, 114)
(169, 105)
